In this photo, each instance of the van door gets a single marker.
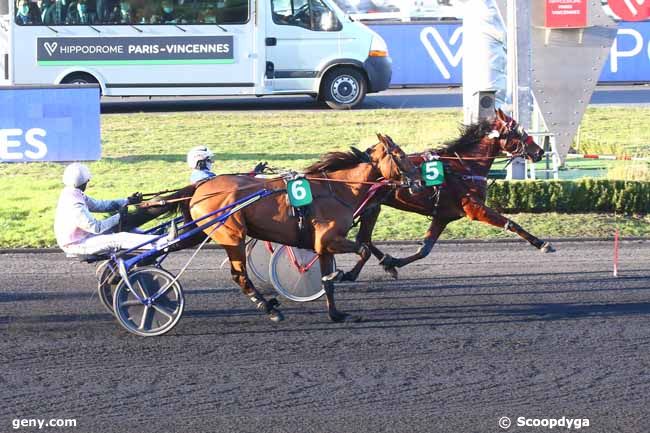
(300, 36)
(5, 44)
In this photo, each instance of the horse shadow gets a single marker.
(311, 317)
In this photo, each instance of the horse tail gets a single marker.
(162, 206)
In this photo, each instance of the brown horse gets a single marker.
(467, 161)
(339, 183)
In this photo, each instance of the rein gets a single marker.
(374, 185)
(148, 204)
(153, 194)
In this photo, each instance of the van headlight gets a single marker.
(378, 47)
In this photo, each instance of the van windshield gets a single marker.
(309, 14)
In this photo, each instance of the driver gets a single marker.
(77, 231)
(199, 159)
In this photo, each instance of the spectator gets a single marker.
(168, 14)
(23, 14)
(60, 11)
(48, 12)
(105, 10)
(78, 13)
(35, 12)
(209, 15)
(122, 14)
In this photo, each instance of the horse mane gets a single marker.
(470, 135)
(333, 161)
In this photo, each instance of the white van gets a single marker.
(193, 47)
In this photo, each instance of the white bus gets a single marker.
(193, 47)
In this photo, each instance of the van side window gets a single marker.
(309, 14)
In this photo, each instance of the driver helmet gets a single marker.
(75, 175)
(198, 155)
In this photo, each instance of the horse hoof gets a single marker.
(393, 272)
(344, 317)
(547, 248)
(337, 317)
(276, 316)
(349, 276)
(334, 277)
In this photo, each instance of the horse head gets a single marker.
(393, 163)
(513, 139)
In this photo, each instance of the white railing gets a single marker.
(552, 157)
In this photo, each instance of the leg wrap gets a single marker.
(364, 251)
(260, 303)
(426, 248)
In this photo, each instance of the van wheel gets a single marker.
(344, 88)
(79, 78)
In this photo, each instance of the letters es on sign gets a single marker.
(49, 124)
(631, 10)
(566, 13)
(433, 173)
(299, 192)
(19, 145)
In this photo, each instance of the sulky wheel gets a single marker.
(155, 317)
(107, 279)
(258, 256)
(287, 277)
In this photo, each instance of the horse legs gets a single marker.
(338, 245)
(433, 233)
(478, 211)
(364, 237)
(237, 257)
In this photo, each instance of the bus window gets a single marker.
(4, 7)
(309, 14)
(130, 12)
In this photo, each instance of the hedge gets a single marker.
(580, 196)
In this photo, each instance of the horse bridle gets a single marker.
(514, 130)
(407, 179)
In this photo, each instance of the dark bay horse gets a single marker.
(339, 182)
(467, 161)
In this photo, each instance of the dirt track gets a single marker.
(474, 333)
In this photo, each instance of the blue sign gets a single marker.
(424, 54)
(629, 58)
(58, 123)
(431, 54)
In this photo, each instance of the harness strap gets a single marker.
(369, 195)
(148, 204)
(475, 178)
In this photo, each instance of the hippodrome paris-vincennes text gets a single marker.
(146, 49)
